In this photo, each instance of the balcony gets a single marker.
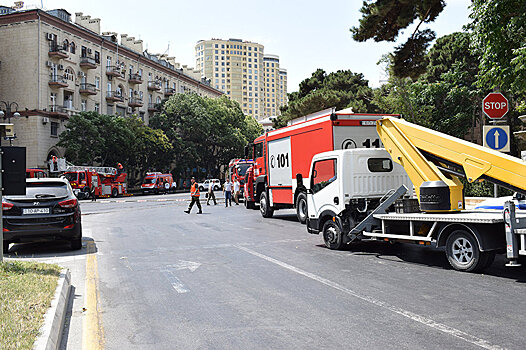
(113, 71)
(114, 96)
(88, 62)
(57, 81)
(88, 89)
(169, 92)
(57, 111)
(135, 79)
(153, 107)
(154, 86)
(135, 102)
(57, 51)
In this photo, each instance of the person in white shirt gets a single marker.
(227, 190)
(237, 187)
(211, 194)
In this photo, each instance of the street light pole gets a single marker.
(8, 114)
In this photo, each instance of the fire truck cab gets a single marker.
(238, 170)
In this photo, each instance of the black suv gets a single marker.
(48, 211)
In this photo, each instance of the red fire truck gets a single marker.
(280, 155)
(105, 181)
(155, 182)
(238, 169)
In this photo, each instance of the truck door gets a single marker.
(325, 190)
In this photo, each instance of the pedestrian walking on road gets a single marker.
(194, 192)
(227, 190)
(237, 187)
(211, 194)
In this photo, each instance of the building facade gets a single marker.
(53, 68)
(275, 86)
(237, 68)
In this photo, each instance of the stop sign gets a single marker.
(495, 105)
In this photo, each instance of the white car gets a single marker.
(214, 182)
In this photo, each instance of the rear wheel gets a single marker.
(5, 247)
(114, 192)
(301, 208)
(201, 188)
(463, 252)
(76, 243)
(216, 188)
(332, 235)
(264, 206)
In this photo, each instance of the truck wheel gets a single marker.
(332, 235)
(264, 206)
(201, 188)
(5, 247)
(114, 192)
(463, 252)
(248, 204)
(216, 188)
(301, 208)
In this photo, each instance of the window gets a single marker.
(83, 104)
(97, 57)
(97, 83)
(323, 174)
(379, 165)
(258, 150)
(83, 51)
(54, 129)
(97, 108)
(72, 47)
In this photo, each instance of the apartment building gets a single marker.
(53, 68)
(237, 68)
(275, 86)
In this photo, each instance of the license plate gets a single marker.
(35, 211)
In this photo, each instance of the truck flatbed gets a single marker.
(474, 217)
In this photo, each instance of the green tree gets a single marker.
(382, 20)
(205, 133)
(339, 89)
(498, 31)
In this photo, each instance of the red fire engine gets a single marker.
(238, 169)
(280, 155)
(105, 181)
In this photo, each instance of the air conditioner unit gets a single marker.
(60, 67)
(129, 110)
(45, 120)
(50, 36)
(49, 63)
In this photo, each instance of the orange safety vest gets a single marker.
(194, 191)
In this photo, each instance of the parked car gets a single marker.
(214, 182)
(48, 211)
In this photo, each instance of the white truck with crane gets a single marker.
(433, 162)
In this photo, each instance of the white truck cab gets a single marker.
(344, 184)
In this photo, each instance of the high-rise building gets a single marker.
(53, 68)
(237, 68)
(275, 86)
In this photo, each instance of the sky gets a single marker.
(305, 34)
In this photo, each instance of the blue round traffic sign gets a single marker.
(496, 138)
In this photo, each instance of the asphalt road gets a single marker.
(229, 279)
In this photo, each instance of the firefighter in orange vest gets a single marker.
(194, 192)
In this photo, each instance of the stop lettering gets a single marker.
(495, 105)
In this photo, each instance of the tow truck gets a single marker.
(434, 162)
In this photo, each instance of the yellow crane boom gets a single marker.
(434, 161)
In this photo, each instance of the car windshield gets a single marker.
(242, 169)
(71, 176)
(44, 190)
(149, 180)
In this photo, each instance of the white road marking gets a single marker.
(411, 315)
(183, 264)
(174, 281)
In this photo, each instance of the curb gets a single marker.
(51, 330)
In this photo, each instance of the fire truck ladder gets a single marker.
(102, 170)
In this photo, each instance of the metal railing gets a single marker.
(57, 109)
(116, 95)
(135, 100)
(88, 86)
(154, 85)
(135, 76)
(55, 78)
(88, 60)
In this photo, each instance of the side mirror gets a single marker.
(299, 180)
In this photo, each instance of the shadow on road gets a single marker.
(403, 253)
(47, 249)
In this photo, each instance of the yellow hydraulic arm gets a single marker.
(433, 161)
